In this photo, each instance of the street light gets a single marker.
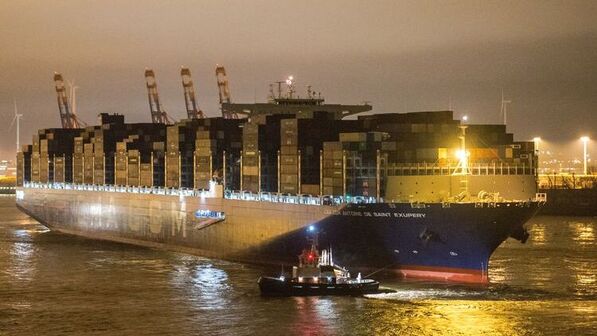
(537, 140)
(585, 141)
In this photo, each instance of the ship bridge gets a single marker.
(294, 106)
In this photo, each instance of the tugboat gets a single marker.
(316, 274)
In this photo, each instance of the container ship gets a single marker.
(421, 194)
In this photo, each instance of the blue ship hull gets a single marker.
(451, 242)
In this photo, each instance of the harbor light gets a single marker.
(585, 141)
(537, 140)
(461, 154)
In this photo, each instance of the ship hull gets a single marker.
(438, 241)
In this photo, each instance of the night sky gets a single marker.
(399, 55)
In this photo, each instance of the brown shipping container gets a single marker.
(202, 159)
(289, 188)
(44, 168)
(288, 159)
(289, 169)
(250, 160)
(202, 135)
(289, 179)
(332, 146)
(353, 137)
(20, 172)
(205, 143)
(287, 140)
(250, 170)
(288, 124)
(331, 172)
(288, 150)
(35, 144)
(388, 146)
(250, 129)
(332, 164)
(312, 189)
(43, 146)
(58, 169)
(334, 191)
(250, 146)
(202, 167)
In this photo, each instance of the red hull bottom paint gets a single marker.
(444, 274)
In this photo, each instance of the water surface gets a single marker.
(56, 284)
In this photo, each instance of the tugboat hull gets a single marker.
(271, 286)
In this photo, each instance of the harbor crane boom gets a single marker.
(193, 112)
(224, 92)
(158, 115)
(67, 117)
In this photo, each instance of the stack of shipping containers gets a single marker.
(364, 159)
(302, 153)
(173, 156)
(250, 158)
(24, 165)
(289, 157)
(133, 166)
(51, 147)
(120, 162)
(78, 160)
(88, 159)
(205, 149)
(333, 168)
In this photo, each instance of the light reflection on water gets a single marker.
(76, 286)
(537, 233)
(583, 233)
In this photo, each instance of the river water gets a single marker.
(56, 284)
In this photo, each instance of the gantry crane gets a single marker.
(224, 92)
(193, 111)
(68, 118)
(158, 115)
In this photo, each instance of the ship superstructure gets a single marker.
(385, 188)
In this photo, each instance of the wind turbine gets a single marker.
(504, 107)
(17, 117)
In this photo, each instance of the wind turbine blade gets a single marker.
(12, 122)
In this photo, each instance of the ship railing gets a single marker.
(296, 199)
(495, 168)
(331, 200)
